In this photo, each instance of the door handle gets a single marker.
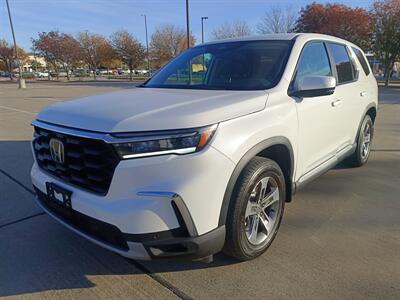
(336, 103)
(363, 93)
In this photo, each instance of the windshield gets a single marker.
(245, 65)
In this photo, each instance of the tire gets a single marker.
(245, 239)
(364, 140)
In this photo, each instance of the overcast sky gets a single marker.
(107, 16)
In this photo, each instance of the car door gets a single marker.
(347, 94)
(366, 86)
(317, 118)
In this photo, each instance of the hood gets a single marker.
(143, 109)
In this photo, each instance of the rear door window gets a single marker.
(362, 60)
(344, 67)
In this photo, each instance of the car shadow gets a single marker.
(38, 254)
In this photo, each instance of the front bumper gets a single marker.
(145, 246)
(143, 219)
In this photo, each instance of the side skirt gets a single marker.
(324, 167)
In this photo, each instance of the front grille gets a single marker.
(88, 164)
(99, 230)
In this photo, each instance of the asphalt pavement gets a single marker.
(339, 239)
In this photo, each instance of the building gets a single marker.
(34, 62)
(378, 69)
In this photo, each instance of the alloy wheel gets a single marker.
(366, 141)
(262, 210)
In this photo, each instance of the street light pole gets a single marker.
(21, 81)
(147, 44)
(202, 28)
(187, 24)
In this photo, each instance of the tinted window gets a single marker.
(344, 67)
(243, 65)
(192, 73)
(362, 60)
(313, 61)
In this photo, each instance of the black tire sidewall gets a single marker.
(264, 167)
(360, 160)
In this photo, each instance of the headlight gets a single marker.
(165, 142)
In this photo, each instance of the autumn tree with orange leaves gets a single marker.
(60, 50)
(352, 24)
(7, 57)
(386, 16)
(167, 42)
(128, 49)
(96, 51)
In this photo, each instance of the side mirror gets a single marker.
(314, 86)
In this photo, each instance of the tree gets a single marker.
(277, 20)
(167, 42)
(128, 49)
(58, 49)
(49, 46)
(352, 24)
(71, 52)
(231, 30)
(36, 65)
(386, 17)
(96, 50)
(8, 60)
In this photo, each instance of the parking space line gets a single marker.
(22, 219)
(17, 110)
(160, 280)
(17, 182)
(385, 150)
(165, 283)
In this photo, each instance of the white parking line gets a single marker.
(18, 110)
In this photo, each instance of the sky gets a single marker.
(107, 16)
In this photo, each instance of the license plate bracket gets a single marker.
(59, 195)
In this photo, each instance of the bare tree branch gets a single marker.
(231, 30)
(277, 20)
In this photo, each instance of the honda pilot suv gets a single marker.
(204, 155)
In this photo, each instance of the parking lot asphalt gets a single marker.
(339, 239)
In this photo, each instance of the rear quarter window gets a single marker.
(362, 60)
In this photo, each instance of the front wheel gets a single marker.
(256, 209)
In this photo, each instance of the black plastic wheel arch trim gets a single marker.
(280, 140)
(369, 106)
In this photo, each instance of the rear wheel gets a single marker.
(364, 140)
(256, 209)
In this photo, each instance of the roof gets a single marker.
(261, 37)
(280, 36)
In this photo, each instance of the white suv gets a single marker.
(203, 156)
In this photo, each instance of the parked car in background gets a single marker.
(191, 164)
(64, 73)
(80, 73)
(141, 72)
(43, 74)
(7, 74)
